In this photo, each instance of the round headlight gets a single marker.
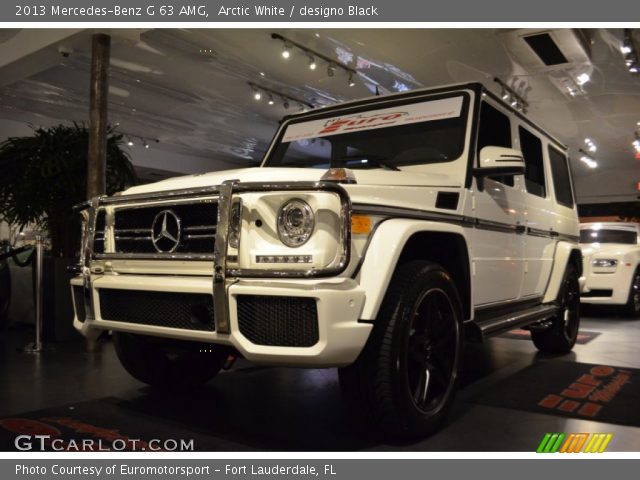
(295, 223)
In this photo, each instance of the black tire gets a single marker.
(561, 336)
(405, 379)
(168, 364)
(632, 307)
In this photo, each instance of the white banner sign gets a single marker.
(386, 117)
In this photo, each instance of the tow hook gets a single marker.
(231, 359)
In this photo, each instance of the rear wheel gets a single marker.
(632, 307)
(168, 364)
(561, 336)
(405, 379)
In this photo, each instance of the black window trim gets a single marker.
(500, 107)
(544, 162)
(564, 155)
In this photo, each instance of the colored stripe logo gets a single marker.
(574, 443)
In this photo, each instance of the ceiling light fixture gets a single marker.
(314, 55)
(272, 94)
(582, 79)
(131, 139)
(285, 51)
(636, 141)
(587, 159)
(591, 146)
(629, 52)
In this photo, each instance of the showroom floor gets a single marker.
(253, 408)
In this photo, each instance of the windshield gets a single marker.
(608, 236)
(415, 134)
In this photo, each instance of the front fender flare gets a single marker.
(561, 259)
(383, 252)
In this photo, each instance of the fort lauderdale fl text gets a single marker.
(304, 11)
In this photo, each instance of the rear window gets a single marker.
(592, 235)
(561, 177)
(531, 147)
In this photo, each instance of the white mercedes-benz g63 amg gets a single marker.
(377, 236)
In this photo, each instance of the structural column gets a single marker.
(98, 121)
(98, 115)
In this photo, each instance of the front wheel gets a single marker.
(168, 364)
(632, 307)
(405, 379)
(561, 336)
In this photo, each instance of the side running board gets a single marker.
(483, 327)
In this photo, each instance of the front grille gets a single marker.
(78, 302)
(101, 228)
(134, 229)
(278, 321)
(187, 311)
(597, 293)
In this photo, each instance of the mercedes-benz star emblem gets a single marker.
(166, 231)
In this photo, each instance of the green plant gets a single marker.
(42, 176)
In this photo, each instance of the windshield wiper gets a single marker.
(379, 161)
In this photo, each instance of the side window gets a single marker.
(495, 130)
(561, 177)
(534, 169)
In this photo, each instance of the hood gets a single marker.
(271, 174)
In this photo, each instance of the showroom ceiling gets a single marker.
(190, 89)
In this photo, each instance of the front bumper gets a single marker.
(339, 303)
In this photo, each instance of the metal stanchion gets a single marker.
(37, 346)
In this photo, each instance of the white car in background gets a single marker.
(611, 259)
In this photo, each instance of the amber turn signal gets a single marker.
(360, 224)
